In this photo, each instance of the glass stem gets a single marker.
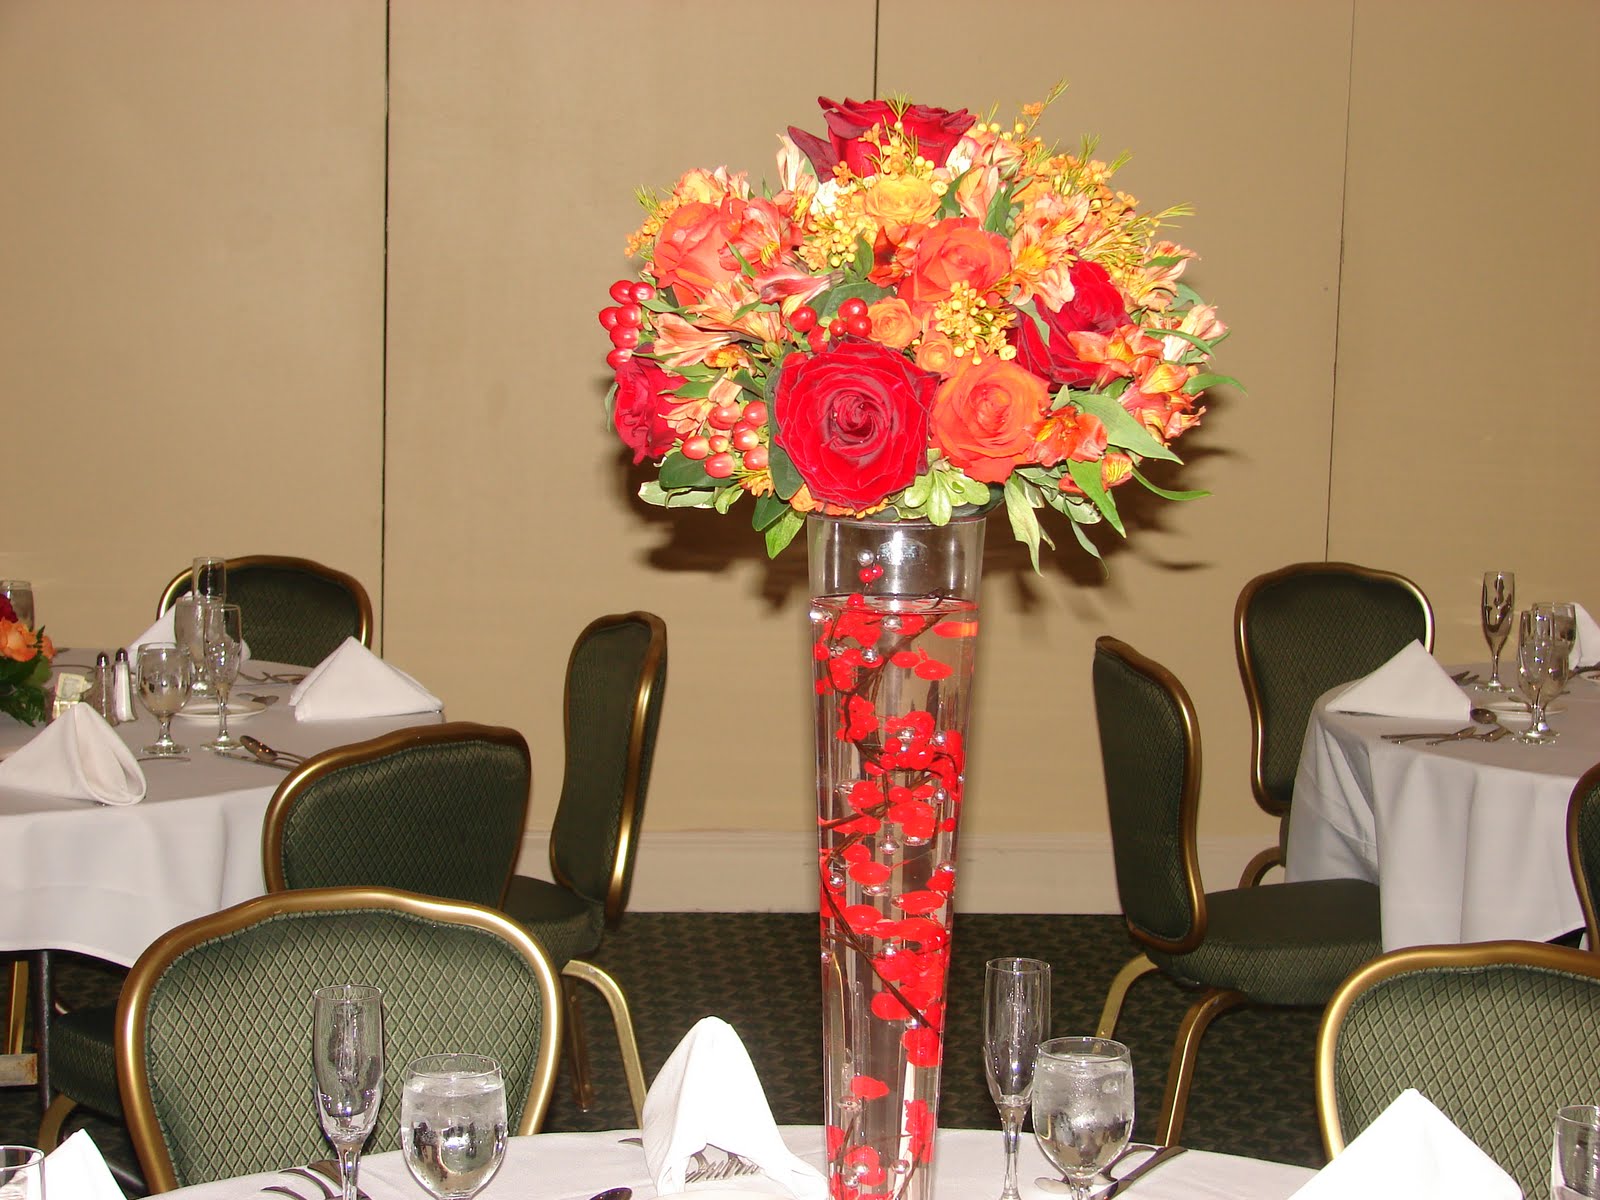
(347, 1170)
(164, 732)
(222, 714)
(1494, 673)
(1011, 1132)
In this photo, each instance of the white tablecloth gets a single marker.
(107, 881)
(1466, 841)
(970, 1166)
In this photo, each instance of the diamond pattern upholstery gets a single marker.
(225, 1059)
(1583, 847)
(1498, 1046)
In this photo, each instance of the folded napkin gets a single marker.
(1411, 1152)
(75, 1169)
(77, 755)
(707, 1094)
(1586, 645)
(1411, 684)
(164, 631)
(354, 682)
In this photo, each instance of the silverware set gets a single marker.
(324, 1175)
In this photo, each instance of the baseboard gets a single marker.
(725, 871)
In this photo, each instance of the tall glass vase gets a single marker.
(894, 635)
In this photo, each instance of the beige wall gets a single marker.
(192, 262)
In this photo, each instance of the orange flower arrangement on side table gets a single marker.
(24, 667)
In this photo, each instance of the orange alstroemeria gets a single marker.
(680, 344)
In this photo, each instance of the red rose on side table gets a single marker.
(854, 420)
(937, 131)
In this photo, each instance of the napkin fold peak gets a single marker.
(353, 682)
(77, 1170)
(1412, 684)
(79, 756)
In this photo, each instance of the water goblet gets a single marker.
(208, 577)
(1564, 622)
(453, 1123)
(1541, 670)
(223, 641)
(20, 593)
(189, 632)
(21, 1173)
(1082, 1106)
(1499, 612)
(1016, 1018)
(164, 676)
(347, 1057)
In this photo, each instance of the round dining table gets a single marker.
(968, 1166)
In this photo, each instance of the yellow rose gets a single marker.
(900, 200)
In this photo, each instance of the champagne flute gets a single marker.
(1016, 1018)
(453, 1123)
(164, 676)
(347, 1057)
(21, 1173)
(1082, 1106)
(208, 577)
(188, 630)
(1539, 672)
(223, 638)
(1499, 608)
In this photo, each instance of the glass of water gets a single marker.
(1082, 1106)
(164, 675)
(21, 1173)
(453, 1123)
(20, 593)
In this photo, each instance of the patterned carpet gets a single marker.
(1252, 1089)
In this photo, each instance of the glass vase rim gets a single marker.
(875, 522)
(1018, 965)
(348, 992)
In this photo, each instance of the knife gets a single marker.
(1150, 1164)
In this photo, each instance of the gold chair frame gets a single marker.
(1401, 962)
(1587, 782)
(144, 1125)
(1273, 856)
(350, 583)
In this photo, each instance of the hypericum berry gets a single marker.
(720, 466)
(755, 459)
(624, 337)
(838, 327)
(719, 443)
(617, 357)
(803, 319)
(630, 315)
(643, 293)
(622, 291)
(723, 416)
(853, 307)
(755, 414)
(609, 317)
(860, 326)
(696, 447)
(744, 438)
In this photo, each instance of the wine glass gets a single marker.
(189, 632)
(453, 1123)
(1499, 607)
(347, 1056)
(1016, 1018)
(21, 1173)
(209, 578)
(164, 677)
(20, 593)
(222, 638)
(1082, 1106)
(1564, 619)
(1577, 1153)
(1541, 670)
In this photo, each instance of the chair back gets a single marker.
(1498, 1035)
(435, 809)
(616, 683)
(1303, 629)
(214, 1022)
(1150, 749)
(1583, 847)
(294, 610)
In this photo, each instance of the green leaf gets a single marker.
(781, 532)
(1210, 380)
(652, 492)
(939, 507)
(859, 269)
(917, 491)
(725, 498)
(1121, 427)
(1087, 476)
(691, 498)
(680, 472)
(1166, 260)
(786, 478)
(827, 304)
(768, 509)
(999, 214)
(1024, 521)
(695, 389)
(1178, 333)
(1169, 495)
(659, 305)
(1083, 540)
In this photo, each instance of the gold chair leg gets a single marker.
(632, 1064)
(577, 1048)
(1256, 869)
(1137, 966)
(17, 1012)
(1184, 1051)
(54, 1117)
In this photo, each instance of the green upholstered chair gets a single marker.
(1583, 847)
(616, 683)
(295, 610)
(214, 1025)
(1285, 944)
(1498, 1035)
(1299, 631)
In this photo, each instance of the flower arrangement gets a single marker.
(24, 667)
(930, 314)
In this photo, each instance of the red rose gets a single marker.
(936, 130)
(854, 420)
(643, 395)
(1096, 307)
(7, 613)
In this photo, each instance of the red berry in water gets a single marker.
(837, 327)
(696, 447)
(643, 293)
(745, 438)
(624, 337)
(723, 416)
(755, 414)
(860, 326)
(720, 466)
(630, 315)
(617, 357)
(610, 316)
(719, 443)
(622, 291)
(803, 319)
(853, 307)
(755, 459)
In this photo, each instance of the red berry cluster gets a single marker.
(736, 430)
(851, 318)
(625, 318)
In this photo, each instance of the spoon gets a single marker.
(266, 753)
(616, 1193)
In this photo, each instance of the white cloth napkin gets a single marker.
(1411, 684)
(1411, 1152)
(164, 630)
(708, 1094)
(354, 682)
(76, 1170)
(1586, 645)
(77, 755)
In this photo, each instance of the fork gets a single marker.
(731, 1167)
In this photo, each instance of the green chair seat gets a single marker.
(1287, 944)
(567, 925)
(83, 1060)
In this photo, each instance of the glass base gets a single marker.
(165, 750)
(1536, 737)
(225, 742)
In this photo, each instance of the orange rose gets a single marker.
(954, 251)
(17, 642)
(936, 354)
(985, 417)
(893, 324)
(690, 247)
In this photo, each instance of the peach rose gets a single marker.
(937, 354)
(954, 251)
(893, 323)
(17, 642)
(985, 417)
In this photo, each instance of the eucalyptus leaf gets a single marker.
(781, 532)
(1087, 476)
(1121, 427)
